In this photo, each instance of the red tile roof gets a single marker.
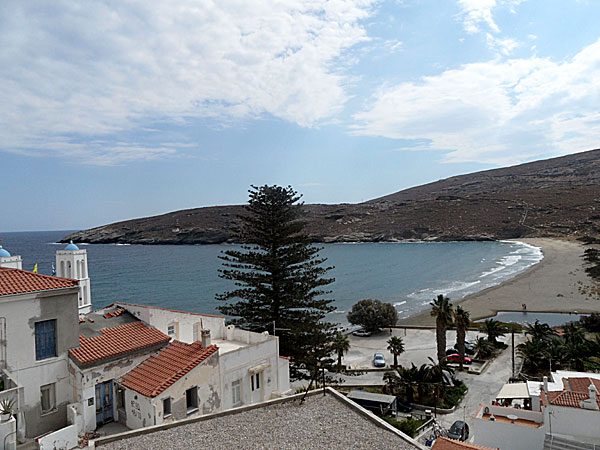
(576, 390)
(581, 384)
(443, 443)
(159, 372)
(15, 281)
(117, 341)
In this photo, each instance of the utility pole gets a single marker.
(513, 353)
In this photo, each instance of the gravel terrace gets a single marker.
(322, 422)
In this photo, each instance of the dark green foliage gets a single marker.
(423, 385)
(340, 345)
(591, 323)
(441, 309)
(279, 278)
(408, 426)
(395, 347)
(454, 395)
(462, 322)
(372, 315)
(483, 348)
(494, 330)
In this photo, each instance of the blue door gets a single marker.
(104, 403)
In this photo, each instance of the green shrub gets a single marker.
(408, 426)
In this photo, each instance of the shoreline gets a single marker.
(551, 286)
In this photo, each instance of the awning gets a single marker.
(513, 390)
(259, 368)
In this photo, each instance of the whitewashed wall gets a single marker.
(142, 411)
(577, 422)
(21, 313)
(85, 381)
(161, 318)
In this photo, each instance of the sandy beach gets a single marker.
(553, 285)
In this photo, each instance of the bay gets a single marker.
(185, 277)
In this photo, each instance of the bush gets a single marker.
(408, 426)
(373, 315)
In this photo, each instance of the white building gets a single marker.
(565, 414)
(72, 263)
(38, 314)
(250, 367)
(135, 364)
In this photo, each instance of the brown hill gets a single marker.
(551, 198)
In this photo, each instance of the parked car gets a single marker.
(469, 348)
(379, 360)
(403, 407)
(459, 431)
(456, 358)
(362, 333)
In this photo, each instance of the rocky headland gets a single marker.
(558, 197)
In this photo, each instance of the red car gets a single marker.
(456, 358)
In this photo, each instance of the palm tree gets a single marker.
(534, 352)
(340, 345)
(441, 309)
(539, 331)
(574, 334)
(462, 322)
(396, 347)
(494, 330)
(483, 348)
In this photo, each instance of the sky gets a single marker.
(112, 110)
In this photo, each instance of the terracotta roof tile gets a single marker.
(15, 281)
(117, 341)
(443, 443)
(581, 384)
(159, 372)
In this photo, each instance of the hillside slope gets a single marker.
(548, 198)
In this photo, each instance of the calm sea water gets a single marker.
(185, 277)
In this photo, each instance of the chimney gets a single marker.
(205, 338)
(592, 402)
(545, 384)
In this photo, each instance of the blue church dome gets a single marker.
(71, 246)
(3, 253)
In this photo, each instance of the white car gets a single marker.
(361, 333)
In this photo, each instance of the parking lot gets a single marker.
(419, 346)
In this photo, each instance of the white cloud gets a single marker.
(68, 72)
(503, 46)
(497, 111)
(477, 12)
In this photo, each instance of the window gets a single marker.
(236, 389)
(167, 407)
(48, 400)
(255, 381)
(191, 400)
(172, 330)
(45, 339)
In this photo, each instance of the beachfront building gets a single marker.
(38, 317)
(565, 414)
(71, 262)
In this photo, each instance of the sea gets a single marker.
(185, 277)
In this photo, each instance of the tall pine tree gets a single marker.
(280, 279)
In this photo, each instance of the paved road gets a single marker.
(482, 388)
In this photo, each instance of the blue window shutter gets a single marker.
(45, 339)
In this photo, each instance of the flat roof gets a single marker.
(228, 346)
(514, 390)
(323, 421)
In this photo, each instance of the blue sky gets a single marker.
(119, 109)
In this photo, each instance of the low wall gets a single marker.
(65, 438)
